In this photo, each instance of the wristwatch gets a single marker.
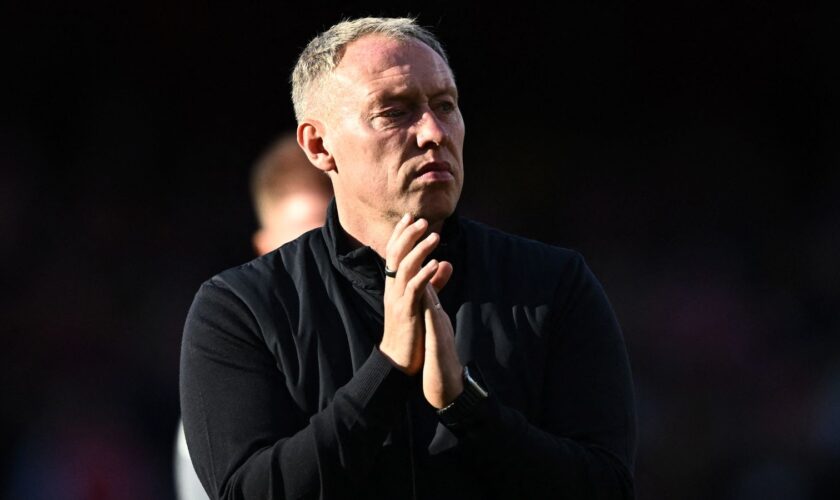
(465, 404)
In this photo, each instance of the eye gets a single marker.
(390, 117)
(446, 107)
(392, 113)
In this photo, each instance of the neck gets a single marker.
(373, 231)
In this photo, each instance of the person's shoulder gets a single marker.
(258, 295)
(524, 268)
(261, 277)
(498, 245)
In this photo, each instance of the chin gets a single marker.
(436, 212)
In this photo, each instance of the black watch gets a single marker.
(464, 405)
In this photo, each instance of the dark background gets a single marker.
(688, 150)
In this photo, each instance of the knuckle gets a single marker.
(410, 287)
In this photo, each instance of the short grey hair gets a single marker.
(324, 52)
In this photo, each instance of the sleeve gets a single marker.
(247, 437)
(583, 444)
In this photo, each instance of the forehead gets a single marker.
(375, 64)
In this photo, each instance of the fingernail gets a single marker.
(405, 217)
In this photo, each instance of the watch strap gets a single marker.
(463, 407)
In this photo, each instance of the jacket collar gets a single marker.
(363, 267)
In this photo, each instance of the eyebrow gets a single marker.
(410, 94)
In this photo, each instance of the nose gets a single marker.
(430, 131)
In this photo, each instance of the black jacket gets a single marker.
(285, 395)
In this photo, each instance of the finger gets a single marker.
(398, 229)
(435, 312)
(438, 327)
(441, 277)
(416, 286)
(404, 242)
(412, 262)
(430, 320)
(430, 296)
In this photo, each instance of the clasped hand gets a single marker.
(418, 333)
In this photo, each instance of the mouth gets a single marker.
(435, 171)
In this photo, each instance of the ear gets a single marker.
(310, 137)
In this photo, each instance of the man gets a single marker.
(290, 197)
(331, 368)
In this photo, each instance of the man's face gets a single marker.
(395, 130)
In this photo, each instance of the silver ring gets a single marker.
(390, 273)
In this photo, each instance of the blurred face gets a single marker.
(395, 131)
(287, 218)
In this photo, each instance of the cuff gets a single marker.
(470, 407)
(378, 387)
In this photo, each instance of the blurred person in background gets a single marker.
(290, 197)
(331, 368)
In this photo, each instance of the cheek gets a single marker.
(392, 150)
(456, 130)
(461, 128)
(353, 148)
(457, 139)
